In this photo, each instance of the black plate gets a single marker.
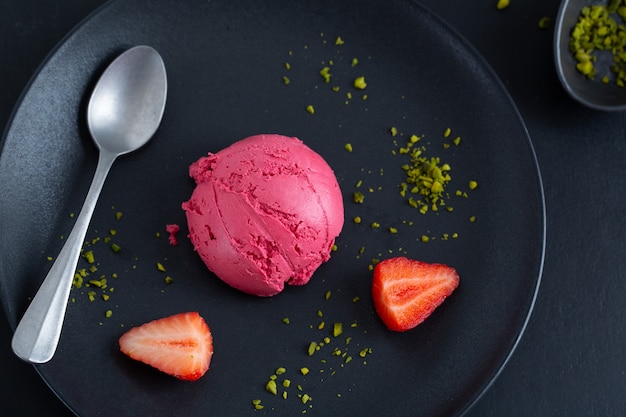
(226, 62)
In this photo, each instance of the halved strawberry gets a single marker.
(180, 345)
(407, 291)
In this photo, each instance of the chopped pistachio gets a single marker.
(304, 370)
(544, 22)
(337, 329)
(348, 147)
(271, 387)
(360, 83)
(502, 4)
(89, 256)
(325, 73)
(310, 109)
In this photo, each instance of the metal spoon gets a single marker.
(124, 111)
(592, 93)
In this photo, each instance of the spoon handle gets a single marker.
(37, 335)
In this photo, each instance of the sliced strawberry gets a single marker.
(406, 291)
(180, 345)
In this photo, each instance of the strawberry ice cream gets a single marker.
(265, 212)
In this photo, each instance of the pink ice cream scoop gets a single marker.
(265, 211)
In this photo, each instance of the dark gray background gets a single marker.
(571, 360)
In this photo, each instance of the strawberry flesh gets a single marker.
(406, 291)
(180, 345)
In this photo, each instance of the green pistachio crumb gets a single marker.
(502, 4)
(327, 295)
(348, 147)
(356, 219)
(304, 370)
(286, 80)
(375, 225)
(257, 404)
(118, 215)
(271, 387)
(169, 280)
(360, 83)
(310, 109)
(393, 230)
(160, 267)
(286, 383)
(337, 329)
(339, 41)
(312, 348)
(89, 256)
(108, 314)
(115, 247)
(286, 320)
(544, 22)
(325, 73)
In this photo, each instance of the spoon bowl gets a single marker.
(592, 93)
(124, 112)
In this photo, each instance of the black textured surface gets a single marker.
(570, 360)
